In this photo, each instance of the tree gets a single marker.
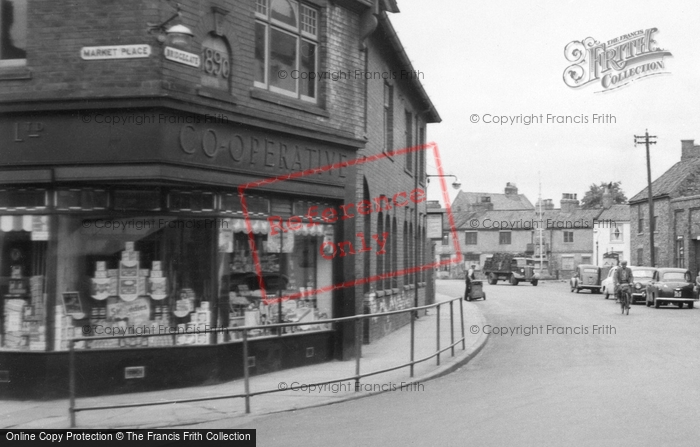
(594, 196)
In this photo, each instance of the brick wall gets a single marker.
(56, 70)
(389, 176)
(662, 236)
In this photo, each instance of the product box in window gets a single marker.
(129, 246)
(16, 272)
(100, 266)
(128, 269)
(157, 288)
(101, 288)
(128, 289)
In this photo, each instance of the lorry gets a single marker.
(511, 267)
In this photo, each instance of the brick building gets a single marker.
(676, 215)
(125, 144)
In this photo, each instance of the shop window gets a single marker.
(23, 254)
(13, 33)
(286, 48)
(291, 264)
(216, 63)
(25, 199)
(144, 274)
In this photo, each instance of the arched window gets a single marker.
(388, 255)
(394, 254)
(367, 257)
(380, 258)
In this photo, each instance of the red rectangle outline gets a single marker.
(345, 164)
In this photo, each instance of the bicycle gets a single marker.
(625, 298)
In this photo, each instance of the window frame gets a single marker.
(502, 236)
(16, 62)
(269, 23)
(568, 237)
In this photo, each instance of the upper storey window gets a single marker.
(286, 48)
(13, 33)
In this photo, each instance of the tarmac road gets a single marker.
(558, 369)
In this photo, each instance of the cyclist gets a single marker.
(623, 275)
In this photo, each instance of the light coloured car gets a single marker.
(607, 287)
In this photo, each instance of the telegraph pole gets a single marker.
(646, 140)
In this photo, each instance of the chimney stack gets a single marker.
(569, 203)
(689, 151)
(607, 196)
(511, 189)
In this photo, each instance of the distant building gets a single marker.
(676, 222)
(567, 233)
(486, 201)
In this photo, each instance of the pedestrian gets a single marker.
(697, 284)
(471, 275)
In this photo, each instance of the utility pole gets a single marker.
(646, 140)
(541, 226)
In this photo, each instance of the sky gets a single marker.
(506, 58)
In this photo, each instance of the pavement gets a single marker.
(390, 351)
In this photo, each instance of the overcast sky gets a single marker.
(507, 58)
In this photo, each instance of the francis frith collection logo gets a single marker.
(615, 63)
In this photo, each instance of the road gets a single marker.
(585, 375)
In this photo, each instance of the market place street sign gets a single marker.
(115, 52)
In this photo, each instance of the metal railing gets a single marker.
(358, 319)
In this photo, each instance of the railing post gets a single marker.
(461, 317)
(246, 373)
(452, 328)
(358, 351)
(413, 338)
(71, 382)
(438, 333)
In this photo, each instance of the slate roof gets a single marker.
(616, 213)
(668, 183)
(499, 201)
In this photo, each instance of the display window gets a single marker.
(291, 266)
(174, 274)
(23, 249)
(145, 274)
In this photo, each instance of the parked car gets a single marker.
(510, 267)
(642, 277)
(671, 286)
(607, 287)
(588, 277)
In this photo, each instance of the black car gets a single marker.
(671, 286)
